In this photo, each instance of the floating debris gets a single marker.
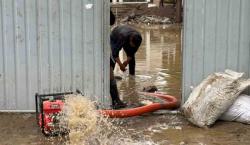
(147, 19)
(150, 88)
(118, 78)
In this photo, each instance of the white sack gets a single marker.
(239, 111)
(213, 96)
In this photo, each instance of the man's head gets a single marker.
(135, 40)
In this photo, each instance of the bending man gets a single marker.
(129, 39)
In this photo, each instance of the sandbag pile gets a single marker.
(239, 111)
(213, 96)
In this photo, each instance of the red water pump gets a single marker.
(48, 108)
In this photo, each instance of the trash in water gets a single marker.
(150, 88)
(118, 78)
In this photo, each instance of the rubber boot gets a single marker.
(116, 102)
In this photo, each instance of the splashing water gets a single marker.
(80, 117)
(87, 127)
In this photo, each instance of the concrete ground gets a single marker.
(164, 129)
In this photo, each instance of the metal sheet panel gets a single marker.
(216, 37)
(51, 46)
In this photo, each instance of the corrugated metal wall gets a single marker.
(216, 37)
(52, 46)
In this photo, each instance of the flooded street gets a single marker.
(158, 62)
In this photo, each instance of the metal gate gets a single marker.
(216, 37)
(52, 46)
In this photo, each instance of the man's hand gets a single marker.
(125, 63)
(122, 67)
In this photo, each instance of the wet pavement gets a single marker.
(158, 63)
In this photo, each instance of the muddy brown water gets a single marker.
(158, 63)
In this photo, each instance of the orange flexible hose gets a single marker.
(170, 103)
